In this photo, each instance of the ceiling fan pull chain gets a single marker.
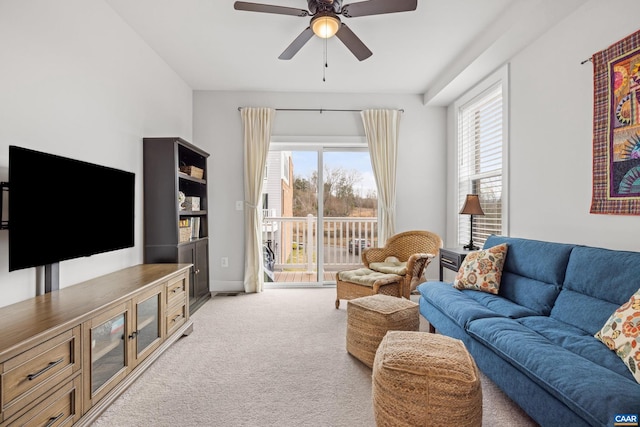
(326, 65)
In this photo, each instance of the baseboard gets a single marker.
(226, 286)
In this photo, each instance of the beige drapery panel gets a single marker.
(256, 123)
(382, 128)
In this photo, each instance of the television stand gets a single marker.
(66, 355)
(52, 277)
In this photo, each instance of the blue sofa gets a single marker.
(535, 338)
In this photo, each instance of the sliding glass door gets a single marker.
(320, 212)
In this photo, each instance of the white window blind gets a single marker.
(480, 148)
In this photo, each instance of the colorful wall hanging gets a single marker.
(616, 128)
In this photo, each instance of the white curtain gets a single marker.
(382, 129)
(256, 123)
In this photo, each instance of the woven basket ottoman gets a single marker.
(369, 318)
(424, 379)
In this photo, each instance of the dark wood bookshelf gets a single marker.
(163, 180)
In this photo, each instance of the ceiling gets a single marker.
(211, 46)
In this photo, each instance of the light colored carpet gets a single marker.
(276, 358)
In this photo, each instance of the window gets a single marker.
(285, 165)
(481, 159)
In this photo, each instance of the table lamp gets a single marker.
(471, 207)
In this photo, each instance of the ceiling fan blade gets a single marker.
(377, 7)
(267, 8)
(297, 44)
(353, 43)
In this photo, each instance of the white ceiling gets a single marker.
(214, 47)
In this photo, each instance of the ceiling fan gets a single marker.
(325, 21)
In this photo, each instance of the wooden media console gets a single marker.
(67, 355)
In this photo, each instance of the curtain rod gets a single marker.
(320, 110)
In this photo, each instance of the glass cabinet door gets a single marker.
(148, 330)
(108, 350)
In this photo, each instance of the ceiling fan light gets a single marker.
(325, 26)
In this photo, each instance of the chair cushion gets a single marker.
(621, 333)
(391, 265)
(366, 277)
(482, 270)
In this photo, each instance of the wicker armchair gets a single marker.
(417, 248)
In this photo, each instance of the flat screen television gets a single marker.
(61, 208)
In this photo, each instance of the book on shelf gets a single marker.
(189, 229)
(184, 230)
(195, 227)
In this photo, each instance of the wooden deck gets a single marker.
(302, 276)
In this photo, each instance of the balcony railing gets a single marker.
(294, 241)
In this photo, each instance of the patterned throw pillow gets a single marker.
(621, 333)
(482, 270)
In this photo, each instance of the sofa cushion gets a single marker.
(589, 272)
(542, 261)
(591, 292)
(575, 340)
(582, 311)
(621, 333)
(546, 364)
(463, 306)
(500, 306)
(482, 270)
(534, 294)
(533, 271)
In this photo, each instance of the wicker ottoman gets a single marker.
(423, 379)
(369, 318)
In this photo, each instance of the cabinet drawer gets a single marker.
(177, 290)
(60, 408)
(176, 317)
(449, 261)
(30, 374)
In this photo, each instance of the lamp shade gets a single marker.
(325, 26)
(472, 205)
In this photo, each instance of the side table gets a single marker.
(451, 259)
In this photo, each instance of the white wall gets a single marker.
(550, 147)
(218, 130)
(551, 130)
(76, 81)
